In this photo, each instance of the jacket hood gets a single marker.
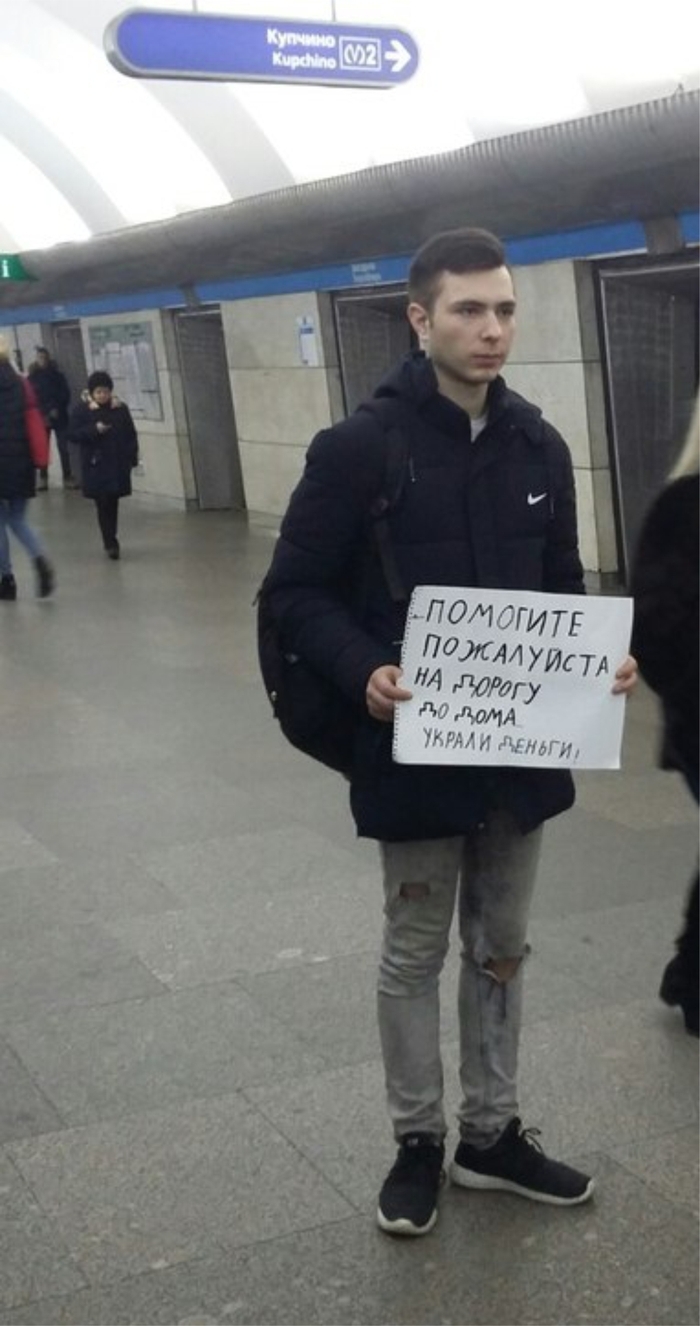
(414, 381)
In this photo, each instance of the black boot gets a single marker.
(679, 985)
(45, 578)
(8, 587)
(678, 990)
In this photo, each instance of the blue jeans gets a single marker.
(13, 516)
(488, 875)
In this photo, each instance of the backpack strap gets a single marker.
(396, 463)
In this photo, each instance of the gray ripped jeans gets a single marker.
(491, 871)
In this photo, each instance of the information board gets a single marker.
(125, 350)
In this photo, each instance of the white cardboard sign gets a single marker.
(511, 677)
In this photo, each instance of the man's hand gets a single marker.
(626, 677)
(102, 428)
(383, 692)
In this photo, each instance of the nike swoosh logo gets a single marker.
(532, 501)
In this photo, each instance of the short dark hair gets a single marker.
(99, 379)
(468, 250)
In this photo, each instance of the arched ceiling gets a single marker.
(85, 150)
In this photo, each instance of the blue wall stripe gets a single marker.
(84, 308)
(378, 271)
(587, 242)
(690, 226)
(625, 236)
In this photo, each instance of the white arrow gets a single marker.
(398, 56)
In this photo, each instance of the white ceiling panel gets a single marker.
(85, 150)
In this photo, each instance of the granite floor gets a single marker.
(192, 1127)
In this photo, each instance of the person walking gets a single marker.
(53, 394)
(104, 429)
(488, 500)
(24, 447)
(665, 588)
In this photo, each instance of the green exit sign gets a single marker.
(11, 268)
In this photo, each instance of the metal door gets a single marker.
(650, 320)
(373, 334)
(69, 353)
(209, 406)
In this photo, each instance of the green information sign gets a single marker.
(11, 268)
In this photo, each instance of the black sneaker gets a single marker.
(408, 1199)
(45, 578)
(113, 550)
(8, 588)
(517, 1163)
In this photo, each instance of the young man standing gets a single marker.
(488, 501)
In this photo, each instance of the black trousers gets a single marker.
(107, 517)
(61, 435)
(64, 454)
(688, 942)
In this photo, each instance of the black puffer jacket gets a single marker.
(463, 519)
(52, 392)
(107, 458)
(666, 602)
(17, 472)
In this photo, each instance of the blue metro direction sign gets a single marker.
(149, 43)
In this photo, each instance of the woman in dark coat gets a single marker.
(104, 429)
(665, 641)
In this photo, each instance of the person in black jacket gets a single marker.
(53, 395)
(24, 447)
(665, 641)
(488, 501)
(104, 429)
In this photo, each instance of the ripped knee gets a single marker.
(502, 970)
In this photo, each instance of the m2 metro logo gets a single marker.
(145, 43)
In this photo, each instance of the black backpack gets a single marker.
(314, 715)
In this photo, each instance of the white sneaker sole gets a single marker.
(405, 1227)
(469, 1178)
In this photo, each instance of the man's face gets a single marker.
(42, 359)
(102, 395)
(469, 330)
